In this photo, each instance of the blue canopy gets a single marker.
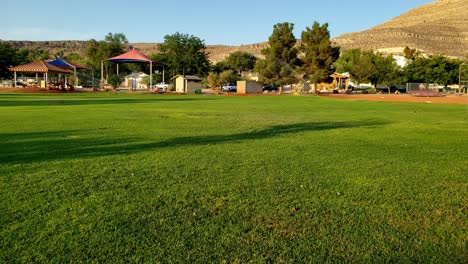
(62, 63)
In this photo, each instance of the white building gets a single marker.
(135, 80)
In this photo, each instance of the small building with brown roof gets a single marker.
(187, 83)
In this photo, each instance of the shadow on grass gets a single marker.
(58, 145)
(49, 101)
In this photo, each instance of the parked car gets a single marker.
(270, 87)
(230, 87)
(162, 86)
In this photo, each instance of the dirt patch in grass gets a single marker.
(42, 90)
(451, 99)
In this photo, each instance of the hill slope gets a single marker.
(439, 27)
(216, 52)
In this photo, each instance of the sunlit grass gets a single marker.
(147, 178)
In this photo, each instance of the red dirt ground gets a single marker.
(451, 99)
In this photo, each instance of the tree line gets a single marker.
(285, 61)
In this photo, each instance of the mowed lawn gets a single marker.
(124, 178)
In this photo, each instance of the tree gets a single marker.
(411, 54)
(387, 71)
(185, 54)
(319, 55)
(221, 66)
(213, 80)
(280, 63)
(347, 60)
(228, 76)
(93, 58)
(364, 68)
(114, 80)
(116, 43)
(241, 61)
(26, 55)
(11, 56)
(146, 80)
(433, 69)
(38, 54)
(74, 57)
(60, 54)
(96, 51)
(359, 64)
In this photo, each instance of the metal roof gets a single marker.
(133, 55)
(188, 77)
(39, 66)
(63, 63)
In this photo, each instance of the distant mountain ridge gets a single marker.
(216, 52)
(440, 27)
(436, 28)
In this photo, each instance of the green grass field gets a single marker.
(151, 178)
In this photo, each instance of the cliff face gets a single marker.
(440, 27)
(436, 28)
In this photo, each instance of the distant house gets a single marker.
(187, 83)
(135, 81)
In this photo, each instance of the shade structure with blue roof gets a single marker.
(65, 64)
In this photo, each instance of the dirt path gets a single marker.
(451, 99)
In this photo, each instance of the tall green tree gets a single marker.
(347, 59)
(7, 59)
(319, 55)
(359, 64)
(364, 68)
(75, 57)
(26, 55)
(241, 61)
(93, 58)
(115, 44)
(221, 66)
(387, 71)
(433, 69)
(185, 54)
(281, 61)
(96, 51)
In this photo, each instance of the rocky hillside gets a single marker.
(216, 52)
(439, 27)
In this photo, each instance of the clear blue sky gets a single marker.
(215, 21)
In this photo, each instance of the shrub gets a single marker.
(114, 80)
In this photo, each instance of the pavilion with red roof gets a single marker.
(131, 56)
(44, 67)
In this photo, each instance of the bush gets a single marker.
(198, 91)
(114, 80)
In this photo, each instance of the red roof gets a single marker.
(39, 66)
(133, 55)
